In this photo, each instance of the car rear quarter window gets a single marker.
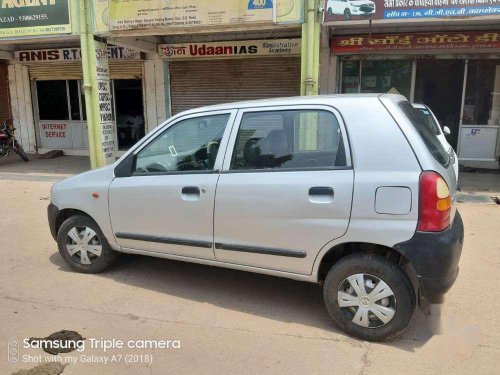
(428, 137)
(428, 120)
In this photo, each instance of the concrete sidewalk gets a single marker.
(12, 167)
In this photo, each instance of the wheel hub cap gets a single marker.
(367, 300)
(83, 245)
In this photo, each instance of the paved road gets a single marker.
(227, 321)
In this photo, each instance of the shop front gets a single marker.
(52, 81)
(456, 74)
(209, 73)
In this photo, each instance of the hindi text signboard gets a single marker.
(343, 11)
(415, 42)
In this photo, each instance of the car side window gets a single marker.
(189, 145)
(289, 139)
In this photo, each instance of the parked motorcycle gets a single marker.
(8, 141)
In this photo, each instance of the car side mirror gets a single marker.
(124, 169)
(446, 131)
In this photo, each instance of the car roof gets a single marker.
(294, 100)
(419, 105)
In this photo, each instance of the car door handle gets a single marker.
(321, 190)
(191, 190)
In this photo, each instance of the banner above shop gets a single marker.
(231, 49)
(342, 11)
(416, 42)
(20, 18)
(143, 14)
(73, 54)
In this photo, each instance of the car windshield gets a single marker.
(428, 120)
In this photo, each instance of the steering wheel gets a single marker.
(159, 166)
(212, 149)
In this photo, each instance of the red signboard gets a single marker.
(415, 42)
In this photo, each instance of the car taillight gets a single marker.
(435, 203)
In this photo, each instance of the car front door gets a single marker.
(285, 190)
(165, 204)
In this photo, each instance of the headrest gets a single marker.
(278, 143)
(254, 150)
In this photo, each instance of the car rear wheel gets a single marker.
(83, 246)
(369, 297)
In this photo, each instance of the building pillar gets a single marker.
(310, 49)
(97, 87)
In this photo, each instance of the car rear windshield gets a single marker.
(431, 141)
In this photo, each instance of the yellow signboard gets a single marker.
(142, 14)
(288, 11)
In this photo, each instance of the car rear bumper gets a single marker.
(52, 212)
(435, 257)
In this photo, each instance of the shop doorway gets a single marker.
(129, 111)
(439, 85)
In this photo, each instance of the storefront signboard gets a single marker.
(72, 54)
(55, 134)
(415, 42)
(231, 49)
(344, 11)
(105, 106)
(20, 18)
(142, 14)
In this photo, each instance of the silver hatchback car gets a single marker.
(348, 191)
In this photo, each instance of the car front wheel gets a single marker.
(83, 246)
(369, 297)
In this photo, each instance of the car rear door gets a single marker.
(285, 189)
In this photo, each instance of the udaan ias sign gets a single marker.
(231, 49)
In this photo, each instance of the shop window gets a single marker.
(350, 77)
(52, 100)
(386, 76)
(482, 93)
(129, 111)
(377, 76)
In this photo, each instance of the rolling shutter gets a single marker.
(199, 83)
(73, 70)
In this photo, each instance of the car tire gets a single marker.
(83, 246)
(347, 14)
(366, 316)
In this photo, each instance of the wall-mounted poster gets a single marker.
(341, 11)
(20, 18)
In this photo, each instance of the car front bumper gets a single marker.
(52, 213)
(435, 257)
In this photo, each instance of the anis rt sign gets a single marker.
(231, 49)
